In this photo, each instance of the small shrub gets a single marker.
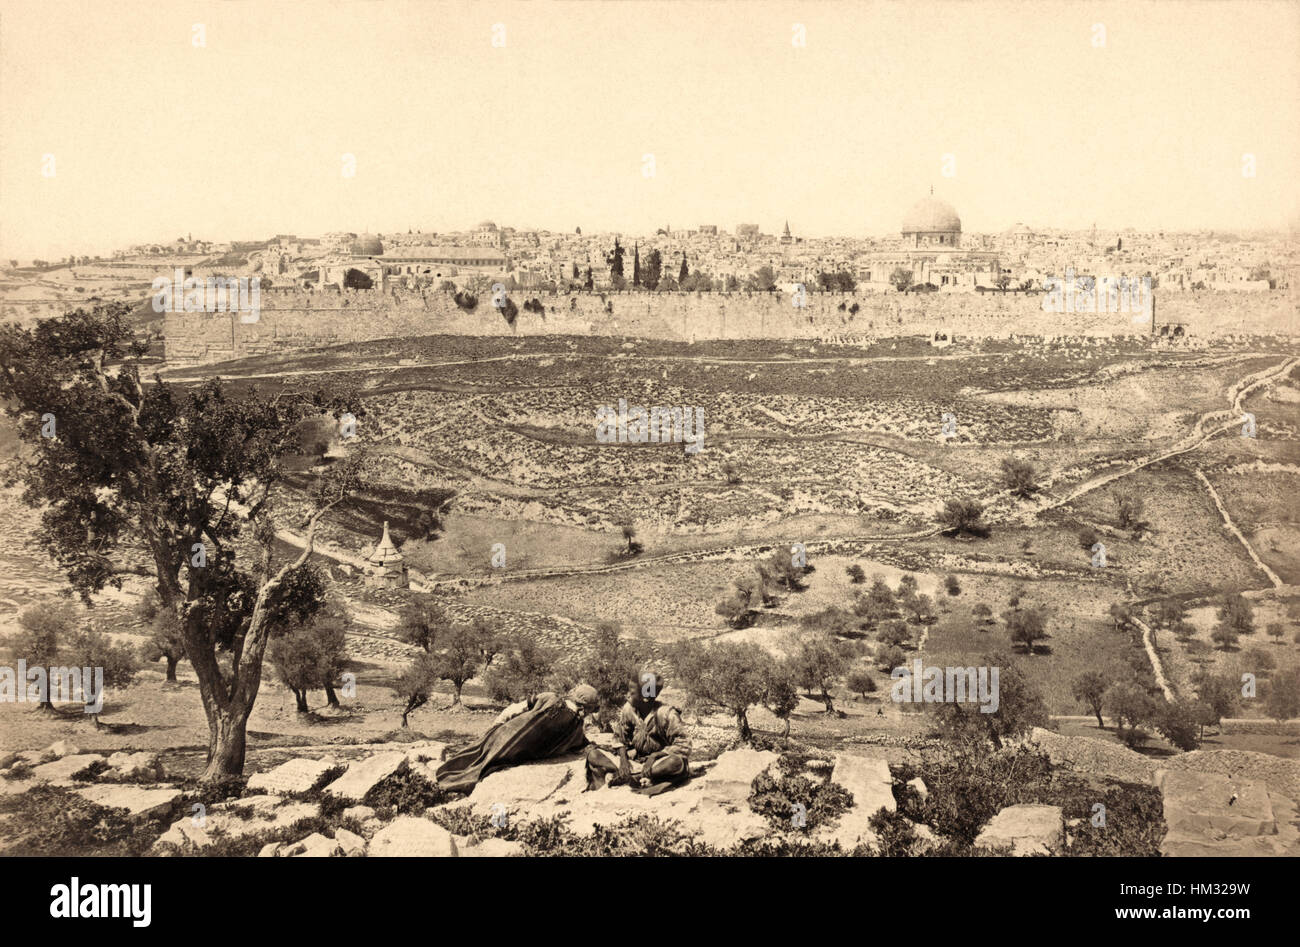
(406, 793)
(776, 798)
(90, 773)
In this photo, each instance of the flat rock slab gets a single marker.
(364, 775)
(731, 778)
(870, 782)
(137, 800)
(849, 833)
(492, 848)
(528, 783)
(1204, 818)
(224, 821)
(412, 837)
(62, 770)
(1028, 829)
(295, 776)
(713, 807)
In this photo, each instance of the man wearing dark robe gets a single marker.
(650, 732)
(538, 728)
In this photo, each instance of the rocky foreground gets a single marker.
(1214, 803)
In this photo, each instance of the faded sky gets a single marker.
(154, 138)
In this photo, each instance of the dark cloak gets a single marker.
(547, 728)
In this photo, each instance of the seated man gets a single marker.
(650, 731)
(540, 727)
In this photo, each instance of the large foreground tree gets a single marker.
(145, 478)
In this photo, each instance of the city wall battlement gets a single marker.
(292, 320)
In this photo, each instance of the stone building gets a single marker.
(385, 566)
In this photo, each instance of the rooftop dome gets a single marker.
(486, 225)
(931, 216)
(367, 245)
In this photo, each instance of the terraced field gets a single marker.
(840, 448)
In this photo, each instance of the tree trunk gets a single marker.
(742, 724)
(1100, 725)
(171, 668)
(826, 699)
(301, 697)
(330, 696)
(226, 743)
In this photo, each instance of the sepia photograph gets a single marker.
(667, 428)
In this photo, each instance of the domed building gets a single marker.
(931, 223)
(486, 234)
(931, 251)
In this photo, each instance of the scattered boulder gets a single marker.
(137, 800)
(1028, 829)
(313, 846)
(427, 752)
(360, 813)
(291, 778)
(269, 850)
(138, 766)
(363, 775)
(919, 785)
(411, 837)
(58, 750)
(352, 845)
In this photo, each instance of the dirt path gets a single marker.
(1227, 520)
(1156, 667)
(1198, 436)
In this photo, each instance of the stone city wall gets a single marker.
(294, 319)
